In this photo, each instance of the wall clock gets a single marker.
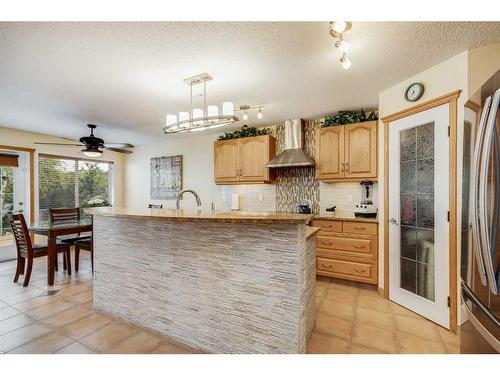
(414, 92)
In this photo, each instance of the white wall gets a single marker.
(18, 138)
(482, 64)
(338, 194)
(197, 171)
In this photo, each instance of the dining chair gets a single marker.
(26, 251)
(83, 245)
(67, 215)
(155, 205)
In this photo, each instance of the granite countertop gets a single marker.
(344, 216)
(167, 214)
(311, 231)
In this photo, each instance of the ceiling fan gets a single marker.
(93, 145)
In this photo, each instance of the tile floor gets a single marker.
(353, 318)
(60, 319)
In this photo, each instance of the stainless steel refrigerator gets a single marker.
(480, 250)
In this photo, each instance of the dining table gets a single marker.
(52, 231)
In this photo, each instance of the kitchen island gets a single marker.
(234, 282)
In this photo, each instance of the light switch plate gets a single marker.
(261, 198)
(349, 198)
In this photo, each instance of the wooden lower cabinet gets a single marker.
(347, 269)
(347, 250)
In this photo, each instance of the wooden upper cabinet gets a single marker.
(361, 150)
(254, 155)
(330, 152)
(244, 160)
(226, 161)
(347, 152)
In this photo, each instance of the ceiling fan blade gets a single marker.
(58, 144)
(118, 145)
(117, 150)
(69, 139)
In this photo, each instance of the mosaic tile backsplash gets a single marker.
(293, 185)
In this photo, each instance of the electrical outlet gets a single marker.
(349, 198)
(261, 198)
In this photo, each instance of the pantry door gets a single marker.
(418, 213)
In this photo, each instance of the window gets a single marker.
(71, 182)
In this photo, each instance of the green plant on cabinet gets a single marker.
(349, 117)
(244, 132)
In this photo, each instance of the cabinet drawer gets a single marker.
(328, 225)
(347, 270)
(353, 246)
(360, 228)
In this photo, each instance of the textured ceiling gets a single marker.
(56, 77)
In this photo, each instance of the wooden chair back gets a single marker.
(64, 215)
(21, 234)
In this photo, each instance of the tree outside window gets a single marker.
(71, 183)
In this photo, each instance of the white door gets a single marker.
(418, 212)
(14, 197)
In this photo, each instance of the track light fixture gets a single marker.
(246, 108)
(337, 31)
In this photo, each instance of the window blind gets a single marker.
(69, 182)
(8, 160)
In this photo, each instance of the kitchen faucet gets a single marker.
(181, 193)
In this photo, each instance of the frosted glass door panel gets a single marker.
(417, 210)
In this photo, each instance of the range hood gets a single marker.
(293, 155)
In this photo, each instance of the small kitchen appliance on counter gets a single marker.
(304, 207)
(365, 208)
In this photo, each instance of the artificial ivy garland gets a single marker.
(245, 131)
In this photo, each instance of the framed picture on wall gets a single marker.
(166, 177)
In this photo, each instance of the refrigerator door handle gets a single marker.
(487, 246)
(476, 168)
(496, 200)
(468, 295)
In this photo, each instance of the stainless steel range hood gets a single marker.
(293, 155)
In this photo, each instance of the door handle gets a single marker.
(489, 137)
(474, 194)
(393, 221)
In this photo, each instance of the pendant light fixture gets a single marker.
(198, 119)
